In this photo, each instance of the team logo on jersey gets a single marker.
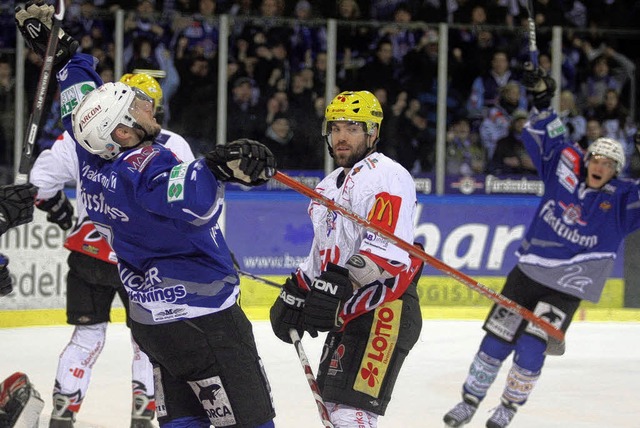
(605, 206)
(330, 220)
(572, 214)
(383, 337)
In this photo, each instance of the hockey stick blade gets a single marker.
(311, 379)
(35, 119)
(418, 253)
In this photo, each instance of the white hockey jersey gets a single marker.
(57, 166)
(382, 191)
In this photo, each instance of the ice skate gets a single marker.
(61, 415)
(502, 416)
(462, 413)
(143, 412)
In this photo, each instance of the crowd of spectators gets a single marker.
(277, 68)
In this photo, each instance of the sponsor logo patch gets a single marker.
(380, 346)
(214, 399)
(175, 188)
(71, 97)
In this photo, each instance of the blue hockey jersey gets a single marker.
(160, 217)
(572, 241)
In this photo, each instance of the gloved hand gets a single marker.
(242, 161)
(286, 312)
(16, 205)
(541, 86)
(59, 209)
(5, 279)
(326, 298)
(35, 22)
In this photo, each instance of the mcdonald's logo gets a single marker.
(385, 211)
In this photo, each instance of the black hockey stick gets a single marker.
(311, 379)
(41, 94)
(252, 276)
(533, 46)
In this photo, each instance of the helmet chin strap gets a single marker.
(146, 137)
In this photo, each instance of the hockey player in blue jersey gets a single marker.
(566, 256)
(160, 217)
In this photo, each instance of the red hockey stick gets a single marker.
(322, 409)
(418, 253)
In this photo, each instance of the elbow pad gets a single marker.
(363, 270)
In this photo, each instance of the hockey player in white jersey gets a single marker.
(93, 280)
(354, 283)
(566, 256)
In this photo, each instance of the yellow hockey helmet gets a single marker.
(354, 106)
(148, 84)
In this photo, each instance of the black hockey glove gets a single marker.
(59, 210)
(326, 298)
(286, 312)
(5, 279)
(541, 86)
(242, 161)
(34, 22)
(16, 205)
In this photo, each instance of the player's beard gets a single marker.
(356, 155)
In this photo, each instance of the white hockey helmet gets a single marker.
(610, 148)
(99, 113)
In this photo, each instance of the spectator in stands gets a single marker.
(244, 117)
(278, 137)
(403, 38)
(353, 40)
(485, 91)
(194, 104)
(382, 71)
(593, 132)
(420, 64)
(201, 31)
(306, 40)
(593, 89)
(465, 155)
(311, 143)
(87, 23)
(272, 70)
(415, 143)
(615, 120)
(574, 121)
(498, 120)
(510, 156)
(143, 22)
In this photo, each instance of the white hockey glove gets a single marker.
(35, 22)
(242, 161)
